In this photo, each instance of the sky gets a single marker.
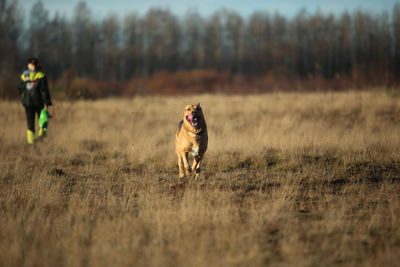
(288, 8)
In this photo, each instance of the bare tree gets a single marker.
(235, 29)
(132, 46)
(85, 41)
(213, 40)
(38, 30)
(110, 41)
(259, 43)
(193, 46)
(161, 40)
(345, 45)
(396, 39)
(11, 29)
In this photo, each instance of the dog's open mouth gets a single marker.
(193, 119)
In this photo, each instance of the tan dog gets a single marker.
(191, 136)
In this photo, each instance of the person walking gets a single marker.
(35, 97)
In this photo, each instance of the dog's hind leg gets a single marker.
(180, 163)
(184, 157)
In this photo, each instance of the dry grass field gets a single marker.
(289, 180)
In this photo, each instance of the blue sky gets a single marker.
(287, 8)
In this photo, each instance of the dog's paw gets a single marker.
(181, 175)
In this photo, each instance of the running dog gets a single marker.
(191, 136)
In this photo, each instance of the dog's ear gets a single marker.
(198, 104)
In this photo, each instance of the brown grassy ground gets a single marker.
(289, 179)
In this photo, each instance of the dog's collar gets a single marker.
(193, 133)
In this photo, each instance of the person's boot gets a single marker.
(30, 137)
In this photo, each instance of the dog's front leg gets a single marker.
(180, 163)
(196, 166)
(184, 156)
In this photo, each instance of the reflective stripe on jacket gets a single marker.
(31, 75)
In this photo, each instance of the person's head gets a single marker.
(33, 64)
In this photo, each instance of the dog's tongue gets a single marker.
(190, 117)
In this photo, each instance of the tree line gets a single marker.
(355, 46)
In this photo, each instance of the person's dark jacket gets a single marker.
(34, 90)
